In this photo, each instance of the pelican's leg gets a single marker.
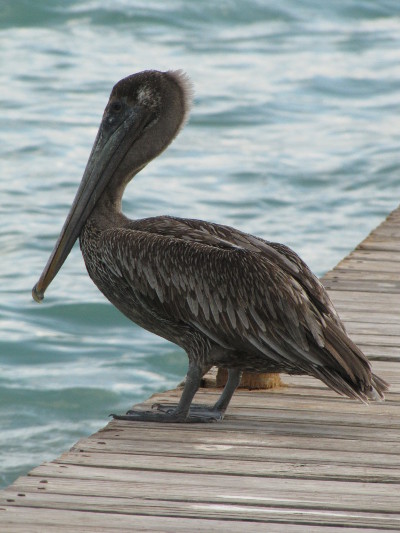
(178, 413)
(203, 413)
(234, 377)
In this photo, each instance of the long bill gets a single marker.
(110, 147)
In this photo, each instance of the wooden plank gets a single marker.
(378, 353)
(381, 245)
(46, 471)
(370, 256)
(365, 339)
(367, 317)
(271, 496)
(22, 520)
(377, 340)
(242, 452)
(291, 427)
(231, 439)
(367, 328)
(378, 287)
(206, 509)
(58, 478)
(248, 467)
(389, 229)
(364, 299)
(348, 274)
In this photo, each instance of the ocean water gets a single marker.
(294, 136)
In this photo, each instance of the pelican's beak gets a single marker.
(115, 138)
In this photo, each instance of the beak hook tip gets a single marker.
(37, 295)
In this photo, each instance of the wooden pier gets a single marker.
(295, 459)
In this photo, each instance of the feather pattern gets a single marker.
(190, 280)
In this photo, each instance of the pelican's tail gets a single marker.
(345, 368)
(365, 390)
(378, 387)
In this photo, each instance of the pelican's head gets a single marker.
(143, 115)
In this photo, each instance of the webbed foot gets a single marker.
(197, 413)
(170, 414)
(151, 416)
(210, 414)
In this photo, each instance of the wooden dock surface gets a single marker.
(294, 459)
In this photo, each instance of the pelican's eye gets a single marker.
(116, 107)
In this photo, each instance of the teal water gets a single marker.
(294, 136)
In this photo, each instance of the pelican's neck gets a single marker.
(109, 202)
(109, 205)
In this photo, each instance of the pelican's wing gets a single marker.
(226, 237)
(239, 299)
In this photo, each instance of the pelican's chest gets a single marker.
(95, 254)
(103, 259)
(89, 241)
(126, 279)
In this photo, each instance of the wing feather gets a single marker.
(242, 292)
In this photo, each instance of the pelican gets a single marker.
(227, 298)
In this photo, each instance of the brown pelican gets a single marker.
(229, 299)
